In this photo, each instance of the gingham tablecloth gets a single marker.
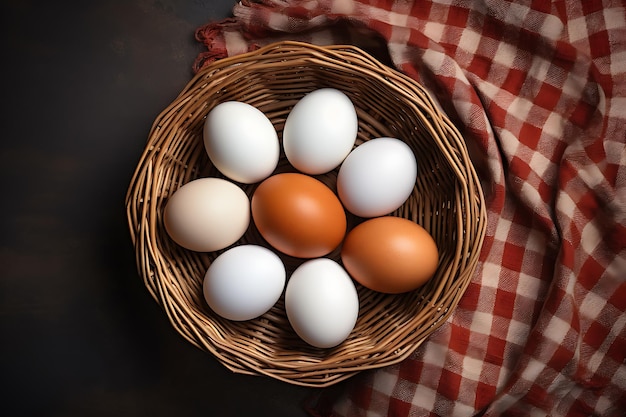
(538, 89)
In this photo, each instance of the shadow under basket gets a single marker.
(447, 201)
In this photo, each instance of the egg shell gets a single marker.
(298, 215)
(321, 302)
(320, 131)
(244, 282)
(377, 177)
(241, 142)
(207, 214)
(390, 254)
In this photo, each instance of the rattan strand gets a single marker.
(447, 201)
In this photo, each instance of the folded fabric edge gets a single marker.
(213, 36)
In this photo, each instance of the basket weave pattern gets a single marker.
(447, 201)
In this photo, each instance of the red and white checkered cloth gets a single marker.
(538, 89)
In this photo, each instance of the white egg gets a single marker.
(244, 282)
(241, 142)
(321, 302)
(207, 214)
(377, 177)
(320, 131)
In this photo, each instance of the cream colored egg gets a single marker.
(207, 214)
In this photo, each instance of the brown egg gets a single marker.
(298, 215)
(390, 254)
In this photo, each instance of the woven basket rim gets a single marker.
(173, 157)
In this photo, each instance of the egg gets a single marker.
(298, 215)
(207, 214)
(241, 142)
(377, 177)
(390, 254)
(244, 282)
(321, 302)
(320, 131)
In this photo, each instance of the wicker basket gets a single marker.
(448, 202)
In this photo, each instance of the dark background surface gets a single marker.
(80, 335)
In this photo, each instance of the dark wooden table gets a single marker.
(80, 335)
